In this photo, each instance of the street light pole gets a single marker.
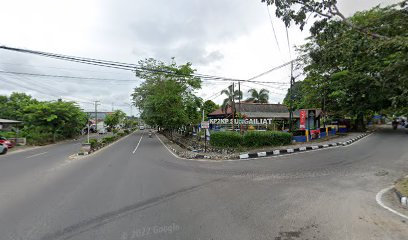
(96, 115)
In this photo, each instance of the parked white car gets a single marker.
(102, 131)
(3, 149)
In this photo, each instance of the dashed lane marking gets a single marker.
(38, 154)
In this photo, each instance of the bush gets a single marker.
(94, 143)
(8, 134)
(250, 139)
(225, 139)
(127, 131)
(268, 138)
(107, 140)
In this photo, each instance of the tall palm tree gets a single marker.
(258, 97)
(231, 95)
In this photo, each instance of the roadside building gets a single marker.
(7, 124)
(259, 116)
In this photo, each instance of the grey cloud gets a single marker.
(183, 29)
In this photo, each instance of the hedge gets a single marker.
(250, 139)
(225, 139)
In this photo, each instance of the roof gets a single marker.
(262, 107)
(258, 110)
(220, 111)
(8, 121)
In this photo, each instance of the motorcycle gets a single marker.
(150, 134)
(394, 125)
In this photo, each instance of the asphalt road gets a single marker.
(136, 189)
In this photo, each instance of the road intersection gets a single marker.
(136, 189)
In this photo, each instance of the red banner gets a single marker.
(302, 121)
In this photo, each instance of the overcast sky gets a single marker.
(230, 38)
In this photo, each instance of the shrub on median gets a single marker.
(250, 139)
(267, 138)
(225, 139)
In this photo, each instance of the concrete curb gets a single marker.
(80, 154)
(301, 149)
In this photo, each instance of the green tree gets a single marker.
(300, 10)
(12, 107)
(209, 107)
(166, 98)
(258, 97)
(57, 120)
(357, 75)
(116, 118)
(232, 96)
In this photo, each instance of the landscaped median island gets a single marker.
(96, 144)
(250, 139)
(401, 189)
(228, 145)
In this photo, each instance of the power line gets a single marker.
(273, 28)
(123, 66)
(118, 80)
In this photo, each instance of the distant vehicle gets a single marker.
(102, 131)
(141, 127)
(3, 149)
(6, 142)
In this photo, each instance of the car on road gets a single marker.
(102, 131)
(3, 149)
(6, 142)
(141, 127)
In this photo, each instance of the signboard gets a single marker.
(302, 120)
(258, 121)
(205, 125)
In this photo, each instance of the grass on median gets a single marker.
(402, 186)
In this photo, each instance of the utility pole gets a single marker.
(239, 106)
(96, 115)
(233, 106)
(292, 82)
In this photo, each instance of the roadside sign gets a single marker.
(302, 115)
(205, 125)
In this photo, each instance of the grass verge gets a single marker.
(402, 186)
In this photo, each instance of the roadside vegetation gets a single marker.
(43, 121)
(102, 142)
(402, 186)
(355, 67)
(250, 139)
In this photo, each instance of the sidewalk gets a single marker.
(262, 152)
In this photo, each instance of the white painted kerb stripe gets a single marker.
(379, 201)
(261, 154)
(243, 156)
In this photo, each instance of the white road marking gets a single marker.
(137, 144)
(379, 201)
(38, 154)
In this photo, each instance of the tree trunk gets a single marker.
(359, 123)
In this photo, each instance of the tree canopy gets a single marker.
(166, 98)
(353, 73)
(209, 107)
(232, 96)
(258, 97)
(43, 121)
(114, 119)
